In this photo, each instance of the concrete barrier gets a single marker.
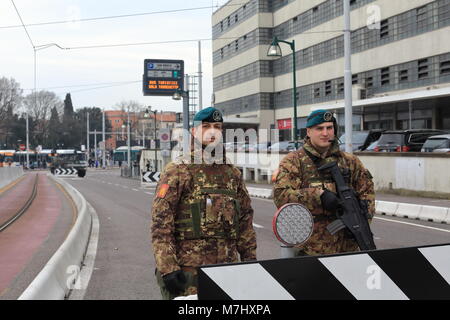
(386, 207)
(403, 210)
(260, 192)
(435, 214)
(9, 174)
(407, 210)
(60, 273)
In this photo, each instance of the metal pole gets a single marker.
(186, 134)
(129, 142)
(294, 79)
(104, 141)
(156, 152)
(143, 134)
(87, 142)
(200, 86)
(95, 146)
(28, 146)
(348, 79)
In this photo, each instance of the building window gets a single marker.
(354, 79)
(340, 88)
(403, 75)
(327, 88)
(444, 67)
(422, 68)
(316, 92)
(421, 17)
(369, 82)
(384, 29)
(385, 76)
(236, 45)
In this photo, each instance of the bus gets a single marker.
(7, 158)
(69, 159)
(121, 154)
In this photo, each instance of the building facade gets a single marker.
(400, 62)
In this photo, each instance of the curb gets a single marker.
(395, 209)
(57, 277)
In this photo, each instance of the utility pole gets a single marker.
(186, 134)
(156, 151)
(200, 88)
(87, 142)
(104, 141)
(95, 145)
(129, 141)
(348, 78)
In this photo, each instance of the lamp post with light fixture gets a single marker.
(185, 95)
(275, 51)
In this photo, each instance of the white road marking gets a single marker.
(135, 189)
(412, 224)
(151, 193)
(258, 226)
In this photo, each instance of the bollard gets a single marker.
(287, 252)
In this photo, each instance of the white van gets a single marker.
(439, 143)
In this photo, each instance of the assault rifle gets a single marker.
(353, 213)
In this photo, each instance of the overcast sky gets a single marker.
(99, 66)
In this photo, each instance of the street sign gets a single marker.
(150, 176)
(162, 77)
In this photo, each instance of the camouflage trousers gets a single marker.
(190, 287)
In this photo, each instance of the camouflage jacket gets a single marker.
(298, 181)
(223, 203)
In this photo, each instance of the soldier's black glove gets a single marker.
(330, 201)
(175, 281)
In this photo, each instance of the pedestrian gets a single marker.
(201, 213)
(299, 181)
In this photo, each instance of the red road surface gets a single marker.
(20, 241)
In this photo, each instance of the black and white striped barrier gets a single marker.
(394, 274)
(149, 178)
(66, 172)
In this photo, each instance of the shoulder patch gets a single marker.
(162, 191)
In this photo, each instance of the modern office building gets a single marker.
(400, 62)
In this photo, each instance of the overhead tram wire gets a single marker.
(120, 16)
(98, 46)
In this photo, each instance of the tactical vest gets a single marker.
(212, 208)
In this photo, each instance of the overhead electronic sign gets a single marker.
(162, 77)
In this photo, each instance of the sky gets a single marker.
(83, 71)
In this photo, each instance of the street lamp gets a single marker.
(275, 51)
(185, 95)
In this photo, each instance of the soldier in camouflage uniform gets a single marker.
(299, 181)
(201, 213)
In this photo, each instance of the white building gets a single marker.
(401, 66)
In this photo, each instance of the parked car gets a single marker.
(361, 139)
(372, 146)
(405, 140)
(439, 143)
(285, 146)
(259, 147)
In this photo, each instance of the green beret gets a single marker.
(208, 115)
(318, 117)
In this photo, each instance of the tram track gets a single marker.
(24, 208)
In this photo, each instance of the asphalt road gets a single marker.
(124, 263)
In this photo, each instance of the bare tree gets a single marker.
(10, 101)
(129, 106)
(39, 106)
